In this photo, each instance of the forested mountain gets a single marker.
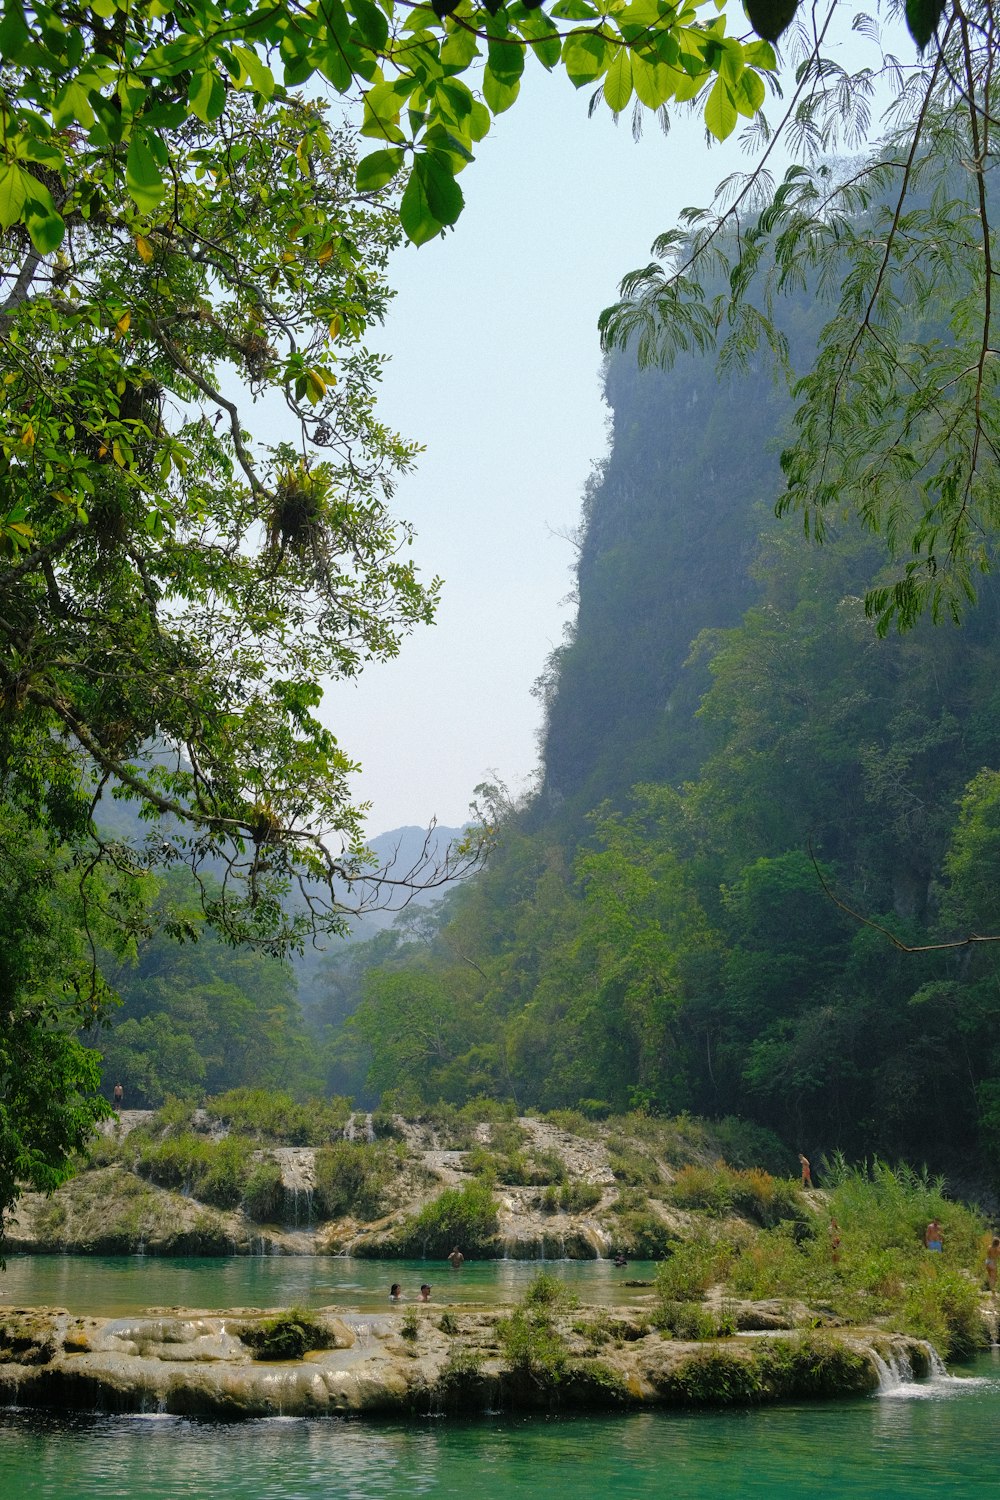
(654, 930)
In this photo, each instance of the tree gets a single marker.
(113, 82)
(166, 577)
(897, 417)
(172, 592)
(51, 911)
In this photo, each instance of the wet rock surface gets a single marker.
(422, 1361)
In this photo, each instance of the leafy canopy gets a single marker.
(897, 415)
(111, 82)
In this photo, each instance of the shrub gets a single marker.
(643, 1235)
(718, 1378)
(226, 1173)
(769, 1264)
(577, 1197)
(546, 1290)
(289, 1335)
(594, 1109)
(278, 1117)
(516, 1167)
(573, 1121)
(173, 1117)
(464, 1216)
(352, 1178)
(944, 1307)
(459, 1387)
(411, 1325)
(177, 1161)
(264, 1193)
(690, 1270)
(687, 1320)
(385, 1126)
(753, 1193)
(635, 1168)
(534, 1351)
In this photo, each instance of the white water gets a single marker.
(896, 1380)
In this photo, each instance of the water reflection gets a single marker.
(914, 1448)
(120, 1285)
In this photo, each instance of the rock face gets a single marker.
(111, 1210)
(424, 1361)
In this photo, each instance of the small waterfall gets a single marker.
(936, 1363)
(893, 1373)
(369, 1130)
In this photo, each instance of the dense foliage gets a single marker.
(677, 949)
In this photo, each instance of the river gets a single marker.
(922, 1440)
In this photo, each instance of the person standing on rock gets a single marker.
(119, 1096)
(807, 1180)
(457, 1259)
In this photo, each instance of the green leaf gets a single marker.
(376, 170)
(769, 18)
(505, 59)
(499, 93)
(543, 38)
(748, 95)
(432, 199)
(72, 107)
(45, 226)
(372, 24)
(922, 17)
(653, 82)
(259, 74)
(459, 49)
(142, 175)
(14, 34)
(618, 81)
(585, 57)
(207, 96)
(479, 121)
(14, 181)
(642, 13)
(419, 223)
(381, 114)
(443, 193)
(720, 111)
(574, 10)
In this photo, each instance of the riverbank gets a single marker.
(426, 1360)
(565, 1199)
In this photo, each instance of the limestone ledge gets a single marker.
(431, 1360)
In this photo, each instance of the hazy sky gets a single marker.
(496, 370)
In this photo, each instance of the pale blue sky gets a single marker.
(496, 369)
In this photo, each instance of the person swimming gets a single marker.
(395, 1292)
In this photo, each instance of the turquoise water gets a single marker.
(120, 1285)
(926, 1440)
(921, 1440)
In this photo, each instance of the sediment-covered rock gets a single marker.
(425, 1360)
